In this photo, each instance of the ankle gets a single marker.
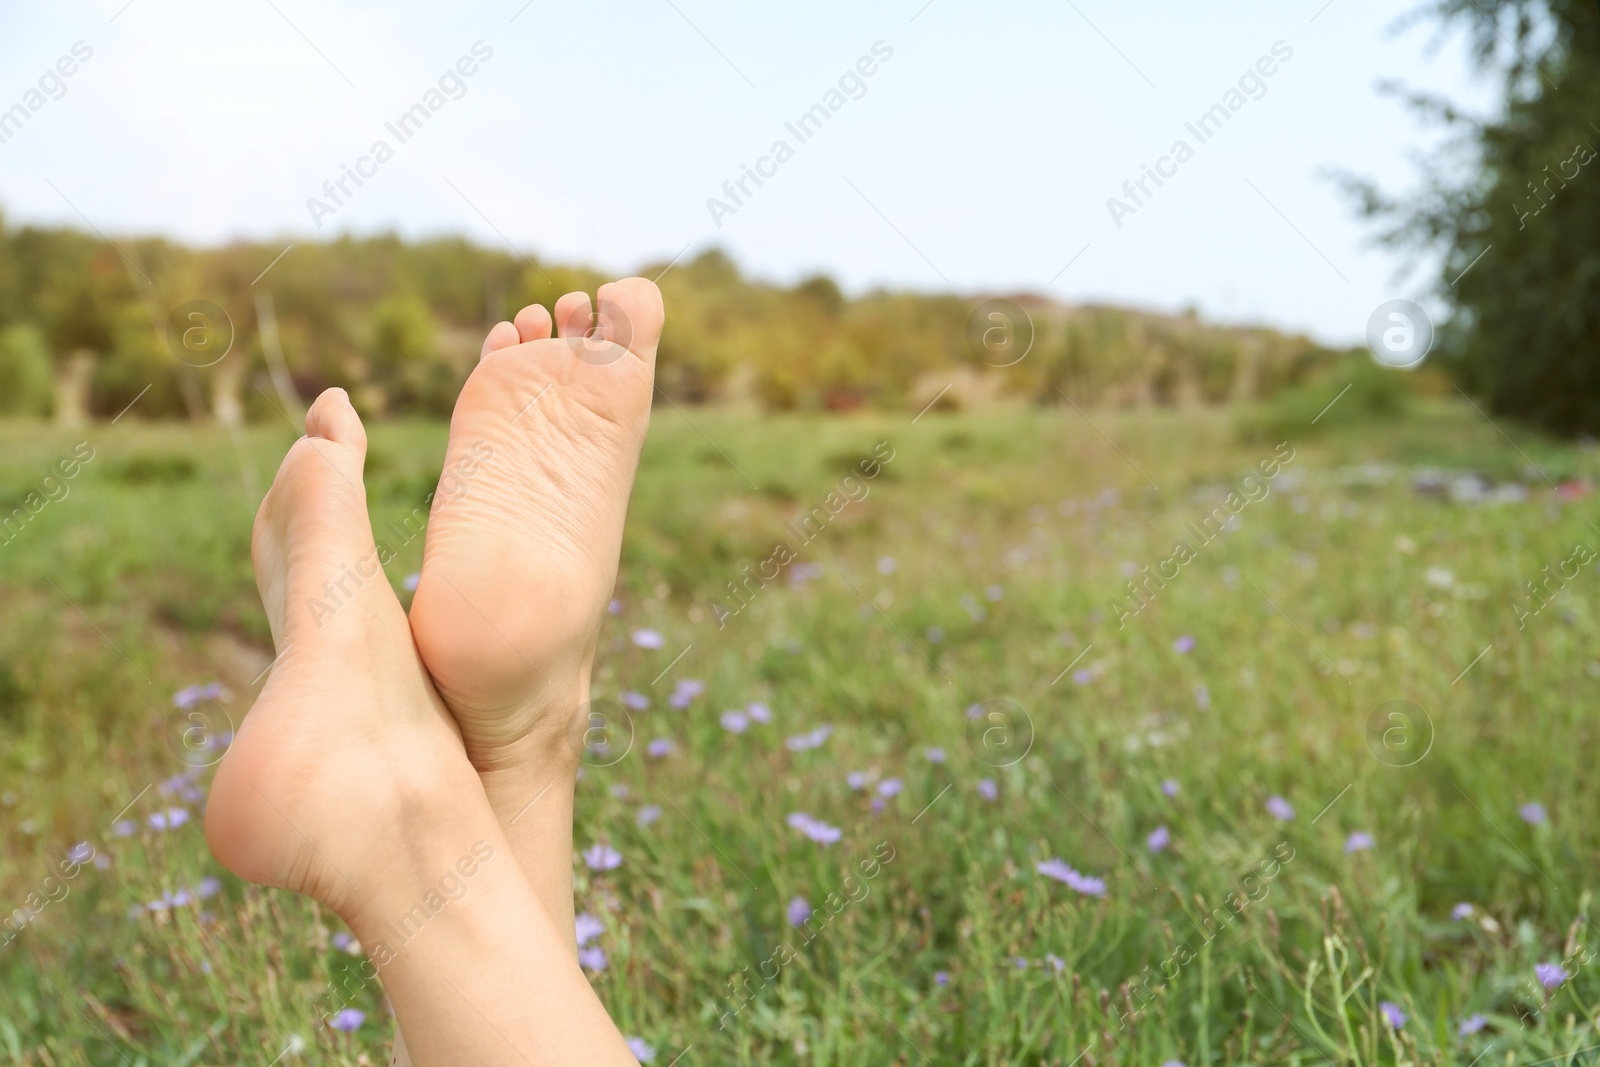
(430, 857)
(544, 736)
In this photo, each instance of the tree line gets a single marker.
(88, 326)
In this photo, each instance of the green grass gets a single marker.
(1341, 590)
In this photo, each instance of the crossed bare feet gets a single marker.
(383, 748)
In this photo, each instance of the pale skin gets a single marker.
(385, 749)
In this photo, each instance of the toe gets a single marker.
(333, 419)
(533, 323)
(631, 315)
(572, 315)
(504, 335)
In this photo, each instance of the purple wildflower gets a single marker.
(659, 747)
(615, 607)
(592, 959)
(1082, 676)
(1171, 1063)
(348, 1020)
(648, 638)
(1159, 839)
(602, 857)
(1169, 786)
(1359, 841)
(342, 940)
(411, 581)
(634, 701)
(1471, 1025)
(124, 828)
(1279, 808)
(685, 692)
(735, 722)
(1022, 963)
(987, 789)
(1551, 975)
(941, 978)
(856, 780)
(619, 791)
(1461, 911)
(889, 787)
(1061, 872)
(759, 712)
(799, 911)
(80, 853)
(649, 814)
(174, 784)
(587, 928)
(877, 805)
(170, 819)
(1533, 813)
(641, 1051)
(1183, 645)
(974, 711)
(812, 739)
(801, 573)
(1392, 1014)
(934, 754)
(189, 696)
(815, 829)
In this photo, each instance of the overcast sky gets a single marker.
(979, 156)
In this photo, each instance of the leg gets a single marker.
(348, 782)
(521, 557)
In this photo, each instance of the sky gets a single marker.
(970, 145)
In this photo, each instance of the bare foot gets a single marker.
(348, 735)
(521, 556)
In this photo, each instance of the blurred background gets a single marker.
(1082, 269)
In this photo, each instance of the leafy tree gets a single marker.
(25, 383)
(403, 357)
(1512, 210)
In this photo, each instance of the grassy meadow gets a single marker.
(971, 599)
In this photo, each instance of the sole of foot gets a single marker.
(347, 737)
(526, 528)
